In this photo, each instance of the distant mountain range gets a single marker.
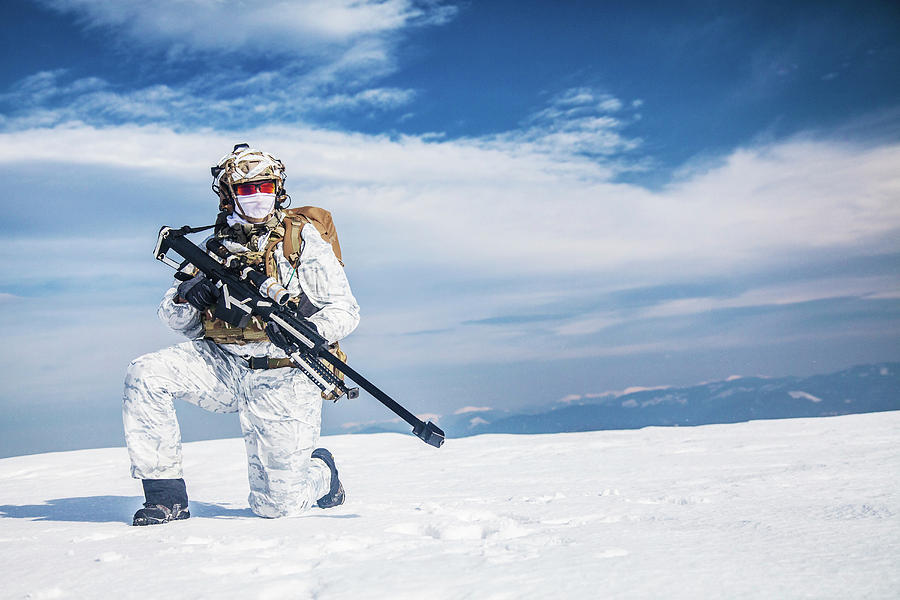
(861, 389)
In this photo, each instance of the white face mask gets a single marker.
(255, 207)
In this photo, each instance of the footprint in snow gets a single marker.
(109, 557)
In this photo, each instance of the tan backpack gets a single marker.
(296, 218)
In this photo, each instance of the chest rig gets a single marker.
(284, 227)
(249, 236)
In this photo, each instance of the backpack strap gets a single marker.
(293, 242)
(269, 253)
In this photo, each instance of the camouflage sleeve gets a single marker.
(324, 282)
(183, 318)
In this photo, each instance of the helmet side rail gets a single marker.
(245, 292)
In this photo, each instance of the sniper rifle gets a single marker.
(244, 292)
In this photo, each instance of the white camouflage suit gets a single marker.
(279, 409)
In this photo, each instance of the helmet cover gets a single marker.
(246, 165)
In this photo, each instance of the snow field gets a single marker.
(787, 509)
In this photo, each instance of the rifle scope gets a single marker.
(267, 286)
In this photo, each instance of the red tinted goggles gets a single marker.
(246, 189)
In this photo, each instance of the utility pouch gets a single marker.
(335, 349)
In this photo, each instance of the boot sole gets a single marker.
(144, 521)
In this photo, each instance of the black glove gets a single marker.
(275, 335)
(200, 292)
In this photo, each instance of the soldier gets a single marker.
(226, 369)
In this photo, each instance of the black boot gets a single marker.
(166, 501)
(336, 495)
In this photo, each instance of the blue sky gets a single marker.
(535, 199)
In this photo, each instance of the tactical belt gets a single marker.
(266, 362)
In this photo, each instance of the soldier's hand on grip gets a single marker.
(199, 292)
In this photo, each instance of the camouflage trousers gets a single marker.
(279, 409)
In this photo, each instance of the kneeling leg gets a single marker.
(280, 414)
(192, 371)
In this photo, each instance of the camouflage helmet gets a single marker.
(244, 165)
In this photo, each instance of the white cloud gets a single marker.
(570, 398)
(470, 409)
(517, 226)
(576, 120)
(319, 55)
(574, 97)
(376, 97)
(589, 135)
(148, 147)
(610, 105)
(533, 211)
(579, 100)
(783, 294)
(299, 26)
(50, 98)
(637, 388)
(804, 396)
